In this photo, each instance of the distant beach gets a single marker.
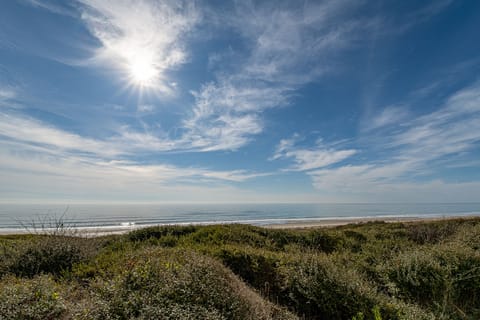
(341, 222)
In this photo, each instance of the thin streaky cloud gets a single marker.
(390, 115)
(51, 162)
(452, 129)
(305, 159)
(286, 46)
(65, 8)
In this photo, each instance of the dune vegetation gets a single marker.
(423, 270)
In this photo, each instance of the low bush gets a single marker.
(47, 254)
(431, 233)
(323, 241)
(158, 232)
(443, 278)
(178, 284)
(218, 235)
(36, 298)
(258, 268)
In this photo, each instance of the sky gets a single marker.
(239, 101)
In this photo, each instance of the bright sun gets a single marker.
(142, 70)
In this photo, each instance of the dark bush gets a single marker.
(259, 269)
(161, 231)
(430, 233)
(48, 254)
(323, 241)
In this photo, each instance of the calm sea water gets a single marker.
(13, 216)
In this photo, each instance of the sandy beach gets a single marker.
(340, 222)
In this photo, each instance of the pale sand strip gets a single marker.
(341, 222)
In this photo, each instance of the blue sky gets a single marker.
(239, 101)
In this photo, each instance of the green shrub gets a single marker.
(316, 288)
(160, 231)
(322, 287)
(217, 235)
(469, 235)
(47, 254)
(322, 241)
(430, 233)
(164, 281)
(256, 267)
(419, 276)
(36, 298)
(444, 278)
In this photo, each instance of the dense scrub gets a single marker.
(366, 271)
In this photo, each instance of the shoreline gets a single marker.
(98, 231)
(335, 222)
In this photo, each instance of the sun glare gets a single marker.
(142, 70)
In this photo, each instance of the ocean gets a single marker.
(22, 216)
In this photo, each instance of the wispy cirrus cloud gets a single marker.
(30, 145)
(145, 108)
(410, 149)
(35, 132)
(287, 48)
(226, 116)
(453, 128)
(7, 93)
(307, 159)
(390, 115)
(9, 96)
(64, 8)
(35, 174)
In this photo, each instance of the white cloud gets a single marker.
(34, 155)
(429, 11)
(410, 150)
(390, 115)
(31, 163)
(287, 48)
(8, 96)
(141, 36)
(125, 142)
(226, 116)
(313, 159)
(359, 178)
(35, 132)
(145, 108)
(451, 129)
(295, 44)
(32, 175)
(63, 8)
(308, 159)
